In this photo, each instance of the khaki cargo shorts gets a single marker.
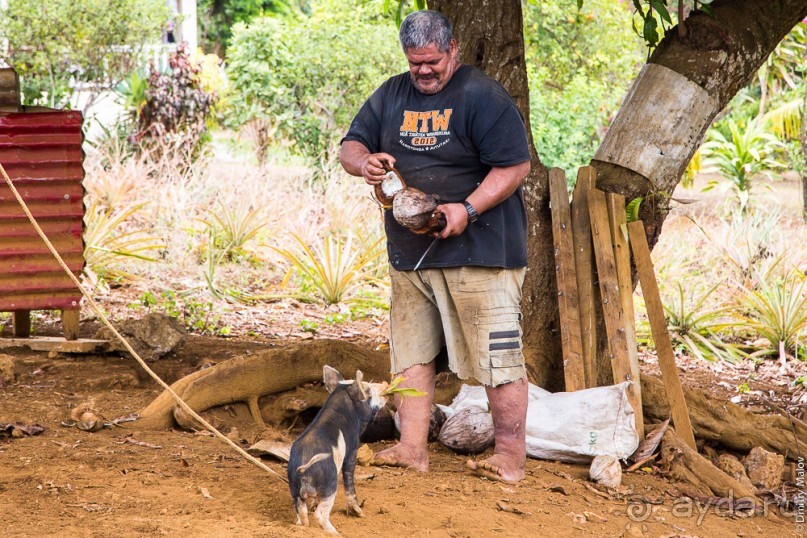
(472, 311)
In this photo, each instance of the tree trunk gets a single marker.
(720, 55)
(490, 34)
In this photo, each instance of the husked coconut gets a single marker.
(468, 431)
(606, 470)
(417, 211)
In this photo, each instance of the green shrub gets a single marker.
(309, 75)
(738, 157)
(55, 44)
(175, 112)
(580, 65)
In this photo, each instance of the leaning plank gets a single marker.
(566, 279)
(658, 326)
(584, 266)
(609, 289)
(619, 239)
(718, 420)
(681, 462)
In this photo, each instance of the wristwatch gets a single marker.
(472, 214)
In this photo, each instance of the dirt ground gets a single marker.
(125, 482)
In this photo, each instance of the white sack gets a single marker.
(570, 426)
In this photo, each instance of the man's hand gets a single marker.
(456, 220)
(358, 161)
(372, 168)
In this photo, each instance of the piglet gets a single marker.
(329, 445)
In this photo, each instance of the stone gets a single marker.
(152, 337)
(764, 468)
(734, 468)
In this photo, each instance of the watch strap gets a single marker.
(472, 214)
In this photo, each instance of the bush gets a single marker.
(55, 44)
(580, 67)
(176, 108)
(308, 76)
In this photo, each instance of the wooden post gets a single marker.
(619, 239)
(658, 326)
(584, 265)
(22, 323)
(70, 324)
(566, 278)
(609, 290)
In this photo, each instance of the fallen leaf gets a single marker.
(650, 443)
(18, 429)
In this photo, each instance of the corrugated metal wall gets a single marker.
(41, 152)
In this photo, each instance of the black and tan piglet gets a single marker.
(329, 445)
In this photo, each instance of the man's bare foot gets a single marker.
(403, 456)
(497, 467)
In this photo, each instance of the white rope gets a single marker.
(95, 308)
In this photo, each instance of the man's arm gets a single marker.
(357, 160)
(497, 186)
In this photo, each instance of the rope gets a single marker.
(95, 308)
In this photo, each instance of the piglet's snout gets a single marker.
(377, 401)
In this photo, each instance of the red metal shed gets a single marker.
(41, 151)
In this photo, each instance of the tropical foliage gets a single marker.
(56, 44)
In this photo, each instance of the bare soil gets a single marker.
(125, 482)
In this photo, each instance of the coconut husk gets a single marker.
(416, 211)
(468, 431)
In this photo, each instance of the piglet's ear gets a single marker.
(359, 377)
(331, 377)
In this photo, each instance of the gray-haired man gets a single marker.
(453, 132)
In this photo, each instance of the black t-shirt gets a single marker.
(445, 144)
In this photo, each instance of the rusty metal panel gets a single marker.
(41, 152)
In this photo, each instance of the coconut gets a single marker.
(468, 431)
(417, 211)
(391, 185)
(607, 471)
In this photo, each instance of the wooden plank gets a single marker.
(609, 286)
(584, 265)
(619, 240)
(22, 323)
(566, 279)
(52, 343)
(70, 324)
(658, 326)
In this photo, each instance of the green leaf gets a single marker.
(632, 209)
(579, 5)
(403, 392)
(659, 6)
(708, 10)
(649, 31)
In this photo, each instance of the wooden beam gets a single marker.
(566, 279)
(70, 324)
(658, 326)
(619, 240)
(51, 343)
(22, 323)
(609, 287)
(584, 265)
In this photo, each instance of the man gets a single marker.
(453, 132)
